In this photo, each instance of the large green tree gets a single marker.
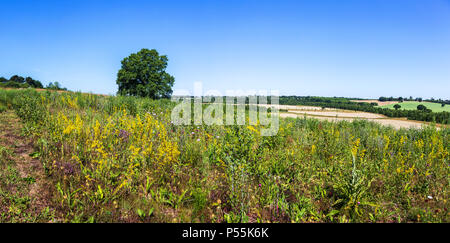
(143, 74)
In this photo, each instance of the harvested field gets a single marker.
(395, 123)
(297, 107)
(340, 114)
(380, 103)
(331, 114)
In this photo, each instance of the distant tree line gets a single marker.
(418, 99)
(345, 103)
(17, 81)
(55, 86)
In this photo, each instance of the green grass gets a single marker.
(412, 105)
(120, 159)
(17, 205)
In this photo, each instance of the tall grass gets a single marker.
(120, 159)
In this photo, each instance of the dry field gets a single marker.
(340, 114)
(380, 103)
(330, 114)
(395, 123)
(296, 107)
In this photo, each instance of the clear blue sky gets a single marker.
(356, 48)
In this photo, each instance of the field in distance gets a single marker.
(412, 105)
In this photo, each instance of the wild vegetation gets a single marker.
(120, 159)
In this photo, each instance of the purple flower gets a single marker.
(66, 167)
(124, 135)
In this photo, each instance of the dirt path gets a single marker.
(25, 190)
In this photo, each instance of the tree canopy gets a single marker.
(17, 81)
(55, 86)
(143, 74)
(421, 107)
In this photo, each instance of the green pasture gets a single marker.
(412, 105)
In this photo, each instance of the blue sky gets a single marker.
(326, 48)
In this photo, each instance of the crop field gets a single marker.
(332, 114)
(394, 123)
(380, 103)
(412, 105)
(340, 114)
(72, 157)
